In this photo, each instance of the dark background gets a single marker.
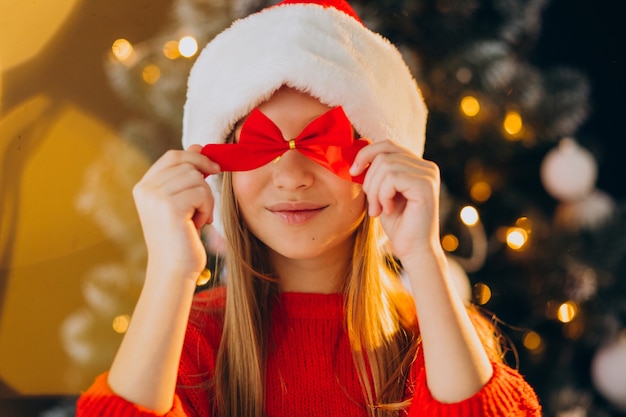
(589, 36)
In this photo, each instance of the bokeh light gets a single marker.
(170, 50)
(450, 243)
(513, 124)
(120, 323)
(122, 49)
(516, 238)
(525, 223)
(469, 215)
(480, 191)
(482, 293)
(470, 106)
(567, 312)
(187, 46)
(151, 74)
(532, 340)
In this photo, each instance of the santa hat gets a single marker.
(319, 47)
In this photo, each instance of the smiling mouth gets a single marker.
(296, 214)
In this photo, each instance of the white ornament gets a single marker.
(587, 213)
(569, 172)
(608, 372)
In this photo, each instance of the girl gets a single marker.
(313, 318)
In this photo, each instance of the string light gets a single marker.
(122, 49)
(187, 46)
(482, 293)
(120, 323)
(480, 191)
(513, 124)
(450, 243)
(469, 216)
(170, 50)
(532, 340)
(516, 238)
(567, 311)
(525, 223)
(470, 106)
(151, 74)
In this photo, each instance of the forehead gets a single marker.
(290, 110)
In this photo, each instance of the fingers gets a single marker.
(196, 148)
(366, 155)
(176, 183)
(192, 157)
(200, 199)
(394, 177)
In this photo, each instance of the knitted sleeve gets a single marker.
(197, 362)
(506, 394)
(100, 401)
(191, 398)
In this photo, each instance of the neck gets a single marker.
(324, 274)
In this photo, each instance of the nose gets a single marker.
(293, 171)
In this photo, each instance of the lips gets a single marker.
(296, 213)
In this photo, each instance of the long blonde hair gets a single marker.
(382, 333)
(379, 317)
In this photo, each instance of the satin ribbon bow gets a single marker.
(327, 140)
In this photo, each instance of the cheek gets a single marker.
(357, 198)
(244, 186)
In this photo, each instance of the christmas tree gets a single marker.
(531, 236)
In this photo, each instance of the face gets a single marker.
(296, 207)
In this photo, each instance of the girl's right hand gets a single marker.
(174, 201)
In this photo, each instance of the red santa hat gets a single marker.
(320, 47)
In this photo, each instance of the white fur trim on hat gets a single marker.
(318, 50)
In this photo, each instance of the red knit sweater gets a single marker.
(310, 370)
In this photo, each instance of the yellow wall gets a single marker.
(71, 253)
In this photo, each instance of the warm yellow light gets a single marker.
(170, 50)
(482, 293)
(151, 74)
(532, 340)
(27, 28)
(480, 191)
(525, 223)
(469, 215)
(450, 243)
(187, 46)
(470, 106)
(516, 238)
(512, 123)
(204, 277)
(122, 49)
(567, 311)
(120, 323)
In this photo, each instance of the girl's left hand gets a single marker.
(403, 190)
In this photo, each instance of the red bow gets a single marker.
(327, 140)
